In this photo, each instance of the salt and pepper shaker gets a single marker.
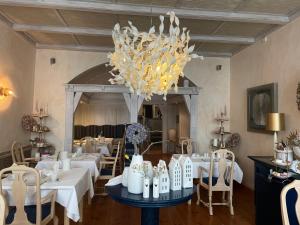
(146, 190)
(155, 187)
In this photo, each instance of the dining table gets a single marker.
(90, 161)
(71, 186)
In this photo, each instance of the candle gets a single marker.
(146, 189)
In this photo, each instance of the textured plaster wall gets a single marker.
(17, 59)
(276, 60)
(49, 84)
(214, 95)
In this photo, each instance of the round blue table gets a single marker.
(149, 206)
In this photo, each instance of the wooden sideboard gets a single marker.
(267, 191)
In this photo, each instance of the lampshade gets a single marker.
(275, 122)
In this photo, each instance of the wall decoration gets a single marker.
(298, 96)
(260, 101)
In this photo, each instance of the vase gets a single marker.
(136, 175)
(296, 150)
(125, 176)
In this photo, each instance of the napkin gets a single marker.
(114, 181)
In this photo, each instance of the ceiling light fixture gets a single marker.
(150, 63)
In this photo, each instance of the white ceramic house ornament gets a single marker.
(175, 174)
(164, 180)
(155, 187)
(187, 171)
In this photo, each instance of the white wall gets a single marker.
(277, 60)
(49, 88)
(214, 95)
(17, 59)
(49, 84)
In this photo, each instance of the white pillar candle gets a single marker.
(146, 189)
(66, 164)
(37, 156)
(155, 187)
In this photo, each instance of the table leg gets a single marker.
(81, 210)
(66, 218)
(150, 216)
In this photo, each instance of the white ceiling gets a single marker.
(218, 27)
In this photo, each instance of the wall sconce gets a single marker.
(5, 92)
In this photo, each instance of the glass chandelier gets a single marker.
(150, 63)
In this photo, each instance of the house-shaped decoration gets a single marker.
(175, 174)
(187, 171)
(164, 180)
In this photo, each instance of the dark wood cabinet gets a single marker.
(267, 191)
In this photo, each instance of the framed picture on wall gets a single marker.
(261, 100)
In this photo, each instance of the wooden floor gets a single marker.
(105, 211)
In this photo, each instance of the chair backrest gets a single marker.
(116, 159)
(17, 153)
(189, 146)
(220, 159)
(90, 145)
(25, 180)
(290, 203)
(2, 209)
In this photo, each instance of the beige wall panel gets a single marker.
(242, 29)
(218, 47)
(270, 6)
(53, 38)
(95, 40)
(89, 19)
(276, 60)
(17, 60)
(36, 16)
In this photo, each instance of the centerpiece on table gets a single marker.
(136, 134)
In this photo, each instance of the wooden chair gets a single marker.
(90, 144)
(290, 205)
(108, 166)
(115, 147)
(187, 143)
(3, 210)
(224, 182)
(17, 155)
(28, 179)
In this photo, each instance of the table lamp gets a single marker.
(275, 122)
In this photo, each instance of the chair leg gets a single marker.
(55, 220)
(210, 204)
(230, 204)
(223, 196)
(198, 194)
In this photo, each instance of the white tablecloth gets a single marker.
(71, 187)
(237, 172)
(87, 160)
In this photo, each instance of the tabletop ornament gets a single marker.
(155, 193)
(164, 180)
(187, 171)
(175, 174)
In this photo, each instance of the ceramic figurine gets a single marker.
(148, 170)
(175, 174)
(187, 171)
(155, 187)
(146, 190)
(125, 176)
(164, 180)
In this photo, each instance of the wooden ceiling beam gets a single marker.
(133, 9)
(108, 33)
(111, 49)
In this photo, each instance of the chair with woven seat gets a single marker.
(25, 182)
(17, 155)
(3, 209)
(223, 161)
(290, 204)
(107, 166)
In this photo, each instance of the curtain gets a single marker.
(101, 114)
